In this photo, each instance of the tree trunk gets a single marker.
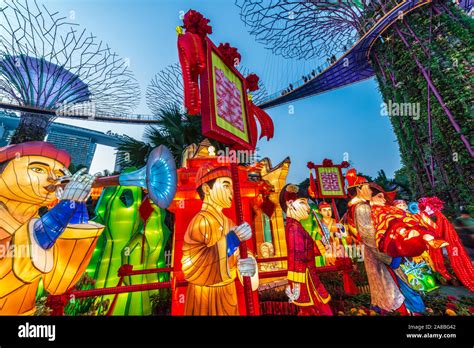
(32, 127)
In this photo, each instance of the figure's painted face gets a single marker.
(298, 209)
(402, 205)
(221, 193)
(31, 179)
(326, 212)
(364, 192)
(379, 199)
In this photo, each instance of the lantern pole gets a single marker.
(234, 169)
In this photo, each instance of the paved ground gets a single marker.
(457, 291)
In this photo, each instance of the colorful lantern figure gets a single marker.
(54, 248)
(334, 234)
(398, 232)
(419, 269)
(134, 234)
(385, 293)
(210, 260)
(388, 235)
(305, 289)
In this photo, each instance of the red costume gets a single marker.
(302, 269)
(398, 233)
(443, 229)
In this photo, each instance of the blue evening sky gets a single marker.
(347, 120)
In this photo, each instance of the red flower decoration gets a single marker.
(252, 82)
(196, 23)
(230, 54)
(451, 306)
(327, 162)
(471, 309)
(452, 298)
(434, 203)
(345, 164)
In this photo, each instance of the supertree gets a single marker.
(165, 91)
(423, 59)
(305, 29)
(47, 63)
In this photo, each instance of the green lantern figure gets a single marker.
(134, 234)
(312, 227)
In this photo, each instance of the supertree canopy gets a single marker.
(423, 60)
(305, 29)
(165, 91)
(47, 63)
(43, 91)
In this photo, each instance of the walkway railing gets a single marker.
(353, 66)
(99, 117)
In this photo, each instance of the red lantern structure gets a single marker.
(213, 87)
(259, 185)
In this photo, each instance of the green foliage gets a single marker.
(437, 304)
(88, 306)
(161, 302)
(175, 129)
(448, 39)
(273, 295)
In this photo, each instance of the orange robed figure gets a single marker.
(305, 289)
(210, 251)
(55, 247)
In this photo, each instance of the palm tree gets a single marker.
(132, 152)
(175, 129)
(399, 183)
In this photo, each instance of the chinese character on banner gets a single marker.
(329, 182)
(225, 106)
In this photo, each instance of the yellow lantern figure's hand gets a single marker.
(243, 232)
(79, 187)
(247, 267)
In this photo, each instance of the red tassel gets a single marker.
(191, 57)
(458, 256)
(253, 129)
(312, 185)
(266, 122)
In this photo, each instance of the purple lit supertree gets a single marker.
(165, 91)
(47, 63)
(421, 58)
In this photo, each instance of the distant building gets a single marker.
(79, 142)
(3, 131)
(5, 134)
(81, 149)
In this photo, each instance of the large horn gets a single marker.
(158, 177)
